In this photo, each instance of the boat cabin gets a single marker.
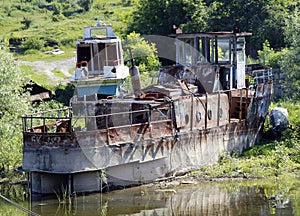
(222, 54)
(100, 67)
(99, 51)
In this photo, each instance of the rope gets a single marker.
(18, 206)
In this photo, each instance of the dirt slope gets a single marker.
(46, 67)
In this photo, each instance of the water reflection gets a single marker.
(231, 198)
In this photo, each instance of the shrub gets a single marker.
(32, 43)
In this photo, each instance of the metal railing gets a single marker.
(263, 75)
(45, 119)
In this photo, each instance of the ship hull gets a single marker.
(191, 151)
(88, 161)
(129, 164)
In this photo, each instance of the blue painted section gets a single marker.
(92, 90)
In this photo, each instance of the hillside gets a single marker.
(32, 27)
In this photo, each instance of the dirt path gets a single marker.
(47, 68)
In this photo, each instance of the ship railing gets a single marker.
(130, 113)
(48, 121)
(262, 75)
(147, 119)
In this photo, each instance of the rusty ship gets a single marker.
(209, 103)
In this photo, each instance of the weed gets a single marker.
(272, 158)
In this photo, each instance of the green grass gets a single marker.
(64, 31)
(58, 73)
(39, 78)
(69, 53)
(272, 158)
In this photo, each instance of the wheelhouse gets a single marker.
(223, 49)
(100, 50)
(100, 68)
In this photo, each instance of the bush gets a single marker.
(31, 51)
(26, 22)
(13, 103)
(32, 43)
(269, 57)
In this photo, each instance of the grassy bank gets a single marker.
(270, 158)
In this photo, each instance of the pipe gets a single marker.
(135, 80)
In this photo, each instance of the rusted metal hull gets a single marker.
(87, 160)
(131, 164)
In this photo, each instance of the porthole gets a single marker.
(187, 119)
(209, 114)
(220, 113)
(198, 116)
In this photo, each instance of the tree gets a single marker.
(32, 43)
(159, 16)
(85, 4)
(13, 103)
(26, 22)
(291, 56)
(144, 54)
(197, 16)
(264, 18)
(268, 56)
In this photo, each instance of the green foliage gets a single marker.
(293, 108)
(44, 106)
(272, 158)
(290, 63)
(13, 103)
(126, 3)
(64, 93)
(58, 20)
(197, 16)
(58, 73)
(32, 44)
(288, 59)
(32, 75)
(144, 54)
(26, 23)
(159, 16)
(256, 16)
(268, 57)
(85, 4)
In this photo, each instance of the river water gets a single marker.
(255, 197)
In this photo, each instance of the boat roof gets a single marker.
(98, 40)
(106, 30)
(220, 34)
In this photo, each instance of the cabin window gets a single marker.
(83, 53)
(240, 53)
(180, 52)
(212, 46)
(224, 50)
(101, 55)
(185, 52)
(120, 53)
(189, 47)
(240, 69)
(111, 54)
(98, 33)
(206, 49)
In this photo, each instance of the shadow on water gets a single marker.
(259, 197)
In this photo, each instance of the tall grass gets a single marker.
(272, 158)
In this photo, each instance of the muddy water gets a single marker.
(275, 197)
